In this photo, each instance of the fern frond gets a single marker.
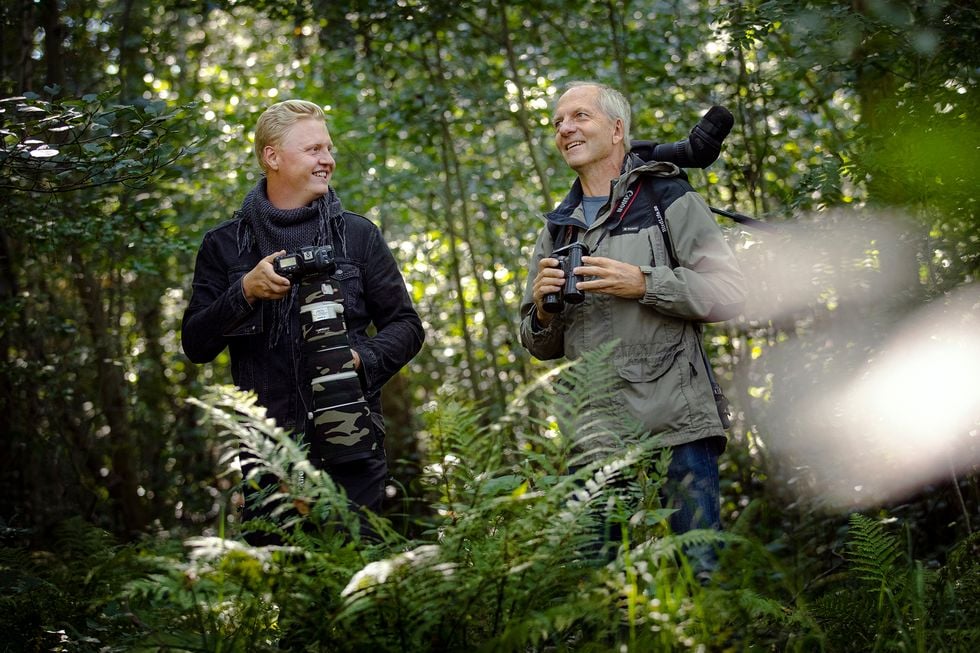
(301, 495)
(760, 607)
(587, 411)
(873, 553)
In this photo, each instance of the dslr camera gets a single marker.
(569, 257)
(316, 259)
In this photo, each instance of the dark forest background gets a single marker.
(126, 132)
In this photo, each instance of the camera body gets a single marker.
(569, 257)
(316, 259)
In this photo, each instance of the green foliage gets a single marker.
(301, 490)
(63, 597)
(508, 562)
(886, 601)
(127, 134)
(210, 602)
(874, 556)
(85, 310)
(81, 144)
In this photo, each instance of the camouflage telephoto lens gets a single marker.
(342, 427)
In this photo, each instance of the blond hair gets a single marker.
(279, 119)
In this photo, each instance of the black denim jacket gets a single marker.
(218, 316)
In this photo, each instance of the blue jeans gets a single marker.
(692, 487)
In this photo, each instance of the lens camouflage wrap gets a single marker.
(342, 427)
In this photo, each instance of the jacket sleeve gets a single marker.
(217, 308)
(707, 285)
(544, 343)
(399, 333)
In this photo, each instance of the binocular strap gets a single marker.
(342, 430)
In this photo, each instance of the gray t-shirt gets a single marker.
(591, 205)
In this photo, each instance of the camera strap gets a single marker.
(616, 217)
(564, 236)
(342, 429)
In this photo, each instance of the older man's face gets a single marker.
(585, 135)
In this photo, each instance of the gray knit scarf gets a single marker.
(271, 229)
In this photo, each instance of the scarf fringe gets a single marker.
(287, 230)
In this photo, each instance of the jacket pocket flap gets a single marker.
(648, 369)
(346, 271)
(248, 326)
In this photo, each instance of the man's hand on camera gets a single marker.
(262, 282)
(610, 277)
(549, 279)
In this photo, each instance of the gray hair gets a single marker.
(612, 103)
(279, 119)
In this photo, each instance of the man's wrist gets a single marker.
(249, 299)
(538, 324)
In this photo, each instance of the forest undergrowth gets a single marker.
(505, 559)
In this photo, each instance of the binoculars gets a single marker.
(569, 257)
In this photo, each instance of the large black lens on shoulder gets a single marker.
(700, 149)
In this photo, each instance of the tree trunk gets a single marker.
(122, 482)
(54, 36)
(523, 120)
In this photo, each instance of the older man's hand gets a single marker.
(611, 277)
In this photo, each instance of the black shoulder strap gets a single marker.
(658, 216)
(745, 220)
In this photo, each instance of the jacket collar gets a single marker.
(563, 213)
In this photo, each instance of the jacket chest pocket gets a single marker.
(236, 272)
(646, 247)
(352, 286)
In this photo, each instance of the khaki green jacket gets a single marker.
(662, 381)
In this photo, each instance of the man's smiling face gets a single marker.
(302, 163)
(584, 134)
